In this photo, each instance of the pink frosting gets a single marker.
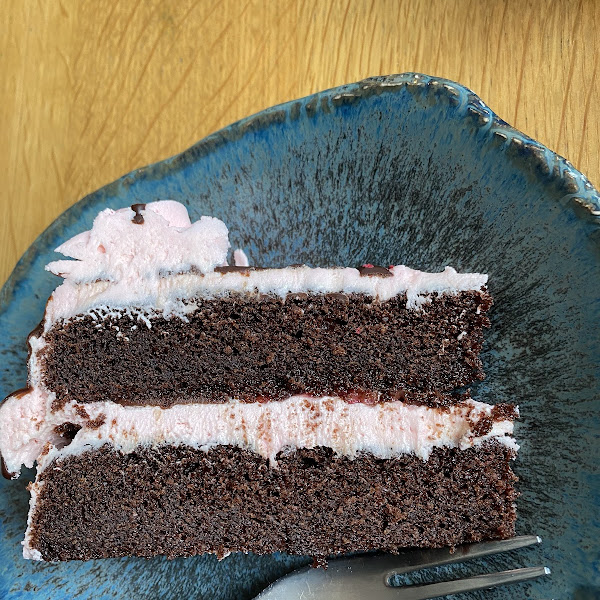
(385, 429)
(118, 249)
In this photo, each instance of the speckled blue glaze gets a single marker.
(407, 169)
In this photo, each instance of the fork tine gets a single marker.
(422, 559)
(479, 582)
(359, 577)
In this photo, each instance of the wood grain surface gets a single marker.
(93, 89)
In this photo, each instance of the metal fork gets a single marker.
(368, 577)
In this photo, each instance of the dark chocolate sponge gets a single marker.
(178, 501)
(262, 347)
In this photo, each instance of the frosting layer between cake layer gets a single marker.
(384, 430)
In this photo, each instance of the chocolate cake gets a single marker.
(177, 405)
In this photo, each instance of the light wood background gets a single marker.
(90, 90)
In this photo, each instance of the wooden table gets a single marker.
(92, 89)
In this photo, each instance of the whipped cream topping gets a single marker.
(127, 245)
(385, 429)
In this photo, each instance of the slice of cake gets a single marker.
(177, 405)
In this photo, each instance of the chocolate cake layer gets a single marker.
(177, 501)
(251, 346)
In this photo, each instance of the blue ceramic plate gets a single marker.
(401, 169)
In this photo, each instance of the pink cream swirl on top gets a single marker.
(141, 243)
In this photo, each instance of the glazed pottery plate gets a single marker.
(402, 169)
